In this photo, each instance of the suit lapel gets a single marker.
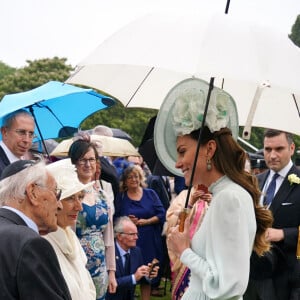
(262, 179)
(119, 261)
(285, 189)
(4, 157)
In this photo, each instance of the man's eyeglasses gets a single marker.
(84, 161)
(130, 233)
(57, 192)
(24, 133)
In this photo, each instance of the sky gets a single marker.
(35, 29)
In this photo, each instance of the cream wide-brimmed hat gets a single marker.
(182, 112)
(66, 177)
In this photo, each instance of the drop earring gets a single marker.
(208, 164)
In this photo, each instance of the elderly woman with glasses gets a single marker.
(94, 224)
(70, 254)
(144, 208)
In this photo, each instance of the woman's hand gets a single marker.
(112, 282)
(179, 241)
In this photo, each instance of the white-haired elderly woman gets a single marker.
(71, 256)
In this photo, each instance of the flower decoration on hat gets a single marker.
(182, 112)
(293, 178)
(189, 108)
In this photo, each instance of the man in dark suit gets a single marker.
(29, 266)
(276, 276)
(130, 270)
(17, 133)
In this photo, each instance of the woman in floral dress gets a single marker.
(94, 225)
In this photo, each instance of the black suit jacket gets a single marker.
(29, 266)
(285, 207)
(125, 281)
(3, 160)
(109, 173)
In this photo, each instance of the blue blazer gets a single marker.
(125, 281)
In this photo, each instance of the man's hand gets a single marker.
(141, 272)
(274, 235)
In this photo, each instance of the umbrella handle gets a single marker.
(182, 217)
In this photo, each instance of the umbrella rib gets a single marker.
(50, 110)
(294, 97)
(142, 82)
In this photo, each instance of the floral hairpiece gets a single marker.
(189, 111)
(293, 178)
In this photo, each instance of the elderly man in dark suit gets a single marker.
(17, 133)
(30, 202)
(129, 261)
(277, 275)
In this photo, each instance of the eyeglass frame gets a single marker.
(83, 161)
(130, 233)
(57, 191)
(25, 133)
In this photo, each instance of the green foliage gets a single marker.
(5, 70)
(295, 35)
(132, 120)
(35, 74)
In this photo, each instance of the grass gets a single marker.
(166, 297)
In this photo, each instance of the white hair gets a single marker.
(13, 188)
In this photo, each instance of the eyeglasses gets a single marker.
(130, 233)
(57, 192)
(24, 133)
(130, 177)
(84, 161)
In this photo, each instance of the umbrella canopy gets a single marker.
(57, 107)
(121, 134)
(111, 147)
(260, 68)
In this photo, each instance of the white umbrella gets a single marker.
(111, 147)
(260, 68)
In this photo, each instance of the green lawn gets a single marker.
(166, 297)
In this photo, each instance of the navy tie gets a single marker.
(127, 263)
(271, 190)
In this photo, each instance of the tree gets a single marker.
(295, 35)
(5, 70)
(35, 74)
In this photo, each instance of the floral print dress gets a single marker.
(91, 222)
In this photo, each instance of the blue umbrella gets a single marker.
(58, 108)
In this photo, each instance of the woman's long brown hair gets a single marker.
(229, 159)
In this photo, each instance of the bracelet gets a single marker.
(190, 206)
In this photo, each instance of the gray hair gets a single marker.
(119, 224)
(13, 188)
(8, 120)
(102, 130)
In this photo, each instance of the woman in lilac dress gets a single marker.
(145, 209)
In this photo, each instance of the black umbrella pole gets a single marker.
(39, 130)
(227, 7)
(184, 213)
